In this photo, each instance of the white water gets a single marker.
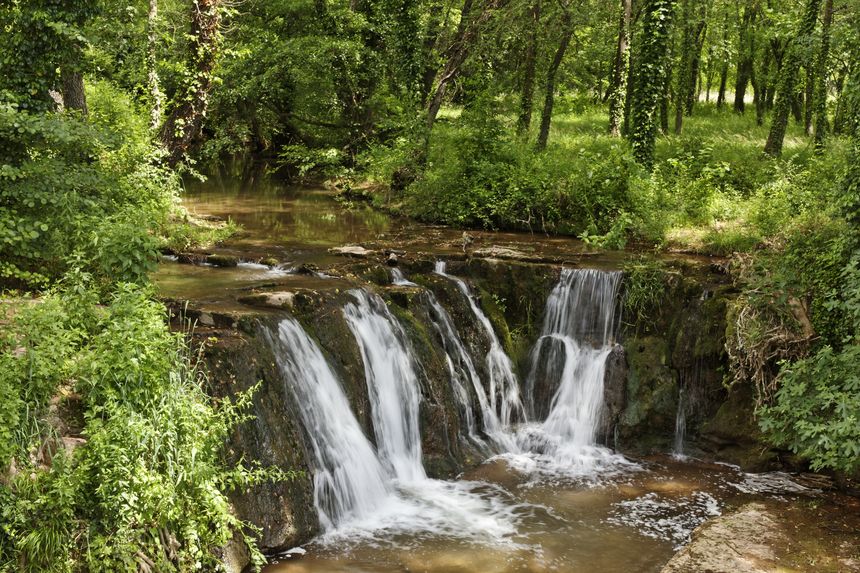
(464, 375)
(391, 384)
(504, 389)
(680, 426)
(358, 494)
(349, 482)
(576, 339)
(399, 279)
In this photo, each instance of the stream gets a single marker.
(548, 495)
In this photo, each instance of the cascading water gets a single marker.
(391, 383)
(399, 279)
(504, 389)
(360, 493)
(463, 375)
(680, 426)
(349, 481)
(570, 357)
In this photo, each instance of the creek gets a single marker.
(538, 483)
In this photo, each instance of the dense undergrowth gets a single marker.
(111, 452)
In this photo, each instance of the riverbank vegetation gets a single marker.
(713, 127)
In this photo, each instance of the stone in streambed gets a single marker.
(355, 251)
(280, 300)
(222, 260)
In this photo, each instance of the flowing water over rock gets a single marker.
(380, 382)
(364, 494)
(570, 357)
(504, 389)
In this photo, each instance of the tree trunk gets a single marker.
(820, 96)
(185, 122)
(549, 97)
(152, 73)
(74, 96)
(527, 96)
(698, 43)
(650, 80)
(621, 71)
(787, 80)
(839, 114)
(724, 78)
(808, 94)
(467, 32)
(431, 37)
(746, 52)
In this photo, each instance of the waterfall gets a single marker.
(680, 426)
(362, 494)
(464, 375)
(349, 481)
(577, 336)
(391, 384)
(399, 279)
(504, 390)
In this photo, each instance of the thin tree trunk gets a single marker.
(466, 34)
(808, 94)
(549, 97)
(745, 56)
(152, 73)
(621, 71)
(724, 79)
(787, 80)
(74, 96)
(185, 122)
(820, 96)
(695, 85)
(431, 37)
(527, 96)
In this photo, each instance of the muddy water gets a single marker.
(632, 522)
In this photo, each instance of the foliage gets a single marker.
(147, 488)
(817, 409)
(645, 281)
(72, 188)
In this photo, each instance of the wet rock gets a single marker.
(205, 319)
(739, 542)
(280, 300)
(190, 258)
(391, 261)
(355, 251)
(614, 392)
(270, 262)
(222, 260)
(506, 253)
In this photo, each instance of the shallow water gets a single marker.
(632, 521)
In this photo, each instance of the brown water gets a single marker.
(630, 523)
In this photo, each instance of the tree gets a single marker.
(620, 70)
(528, 87)
(786, 91)
(549, 88)
(821, 78)
(185, 122)
(650, 77)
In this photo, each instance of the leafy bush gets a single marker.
(146, 491)
(817, 409)
(70, 187)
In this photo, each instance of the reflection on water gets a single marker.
(278, 218)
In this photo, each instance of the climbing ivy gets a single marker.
(652, 68)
